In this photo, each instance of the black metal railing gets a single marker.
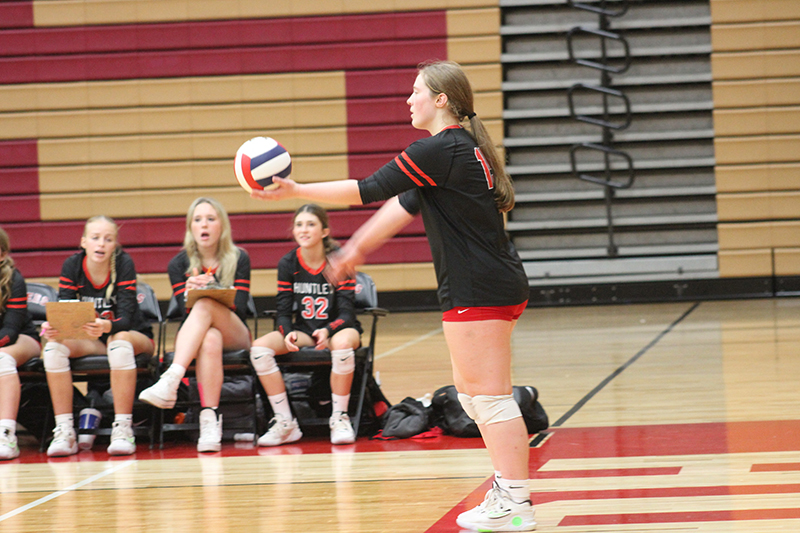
(617, 169)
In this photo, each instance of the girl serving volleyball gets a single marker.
(311, 312)
(104, 274)
(456, 179)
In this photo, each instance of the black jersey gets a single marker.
(241, 282)
(447, 178)
(307, 302)
(122, 308)
(14, 317)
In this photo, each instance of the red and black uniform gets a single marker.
(241, 282)
(307, 302)
(122, 308)
(14, 318)
(447, 178)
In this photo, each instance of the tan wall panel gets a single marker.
(787, 262)
(260, 88)
(489, 105)
(149, 120)
(72, 12)
(155, 203)
(764, 149)
(82, 151)
(474, 49)
(745, 65)
(175, 175)
(780, 234)
(759, 36)
(754, 93)
(473, 22)
(758, 206)
(488, 77)
(723, 11)
(759, 121)
(745, 263)
(402, 277)
(752, 178)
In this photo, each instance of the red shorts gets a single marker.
(472, 314)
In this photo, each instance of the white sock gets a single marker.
(519, 489)
(65, 420)
(124, 418)
(280, 405)
(9, 424)
(340, 402)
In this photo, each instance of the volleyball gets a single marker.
(258, 161)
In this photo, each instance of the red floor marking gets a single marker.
(608, 472)
(648, 441)
(776, 467)
(689, 516)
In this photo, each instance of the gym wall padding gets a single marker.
(756, 69)
(133, 109)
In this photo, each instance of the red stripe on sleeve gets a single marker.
(406, 172)
(419, 170)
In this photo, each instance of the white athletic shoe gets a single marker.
(210, 431)
(164, 393)
(65, 441)
(122, 439)
(499, 512)
(341, 430)
(8, 444)
(281, 431)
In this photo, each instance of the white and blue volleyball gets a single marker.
(258, 161)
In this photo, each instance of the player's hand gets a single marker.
(198, 281)
(320, 337)
(97, 328)
(291, 341)
(287, 188)
(48, 332)
(342, 264)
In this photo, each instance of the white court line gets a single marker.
(409, 343)
(56, 494)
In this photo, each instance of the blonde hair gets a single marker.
(113, 262)
(227, 252)
(447, 77)
(6, 269)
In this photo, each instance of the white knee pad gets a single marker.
(56, 357)
(8, 365)
(466, 403)
(343, 361)
(263, 360)
(494, 409)
(121, 356)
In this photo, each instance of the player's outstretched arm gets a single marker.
(343, 192)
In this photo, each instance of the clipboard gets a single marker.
(223, 296)
(68, 317)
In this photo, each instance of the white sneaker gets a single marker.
(122, 439)
(281, 431)
(210, 432)
(8, 444)
(341, 430)
(65, 441)
(499, 512)
(164, 393)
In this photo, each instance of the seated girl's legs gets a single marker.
(343, 345)
(21, 351)
(59, 376)
(209, 368)
(122, 350)
(481, 356)
(205, 314)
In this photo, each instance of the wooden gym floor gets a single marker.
(680, 417)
